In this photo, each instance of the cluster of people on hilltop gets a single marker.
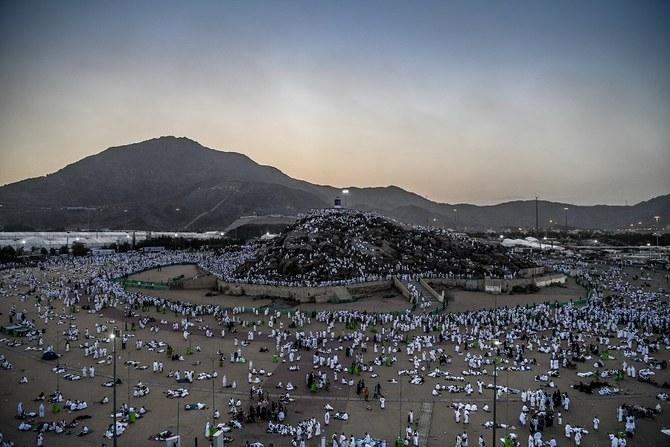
(325, 248)
(340, 247)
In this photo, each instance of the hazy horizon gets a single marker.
(511, 199)
(460, 102)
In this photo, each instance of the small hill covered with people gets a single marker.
(339, 246)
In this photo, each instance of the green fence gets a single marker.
(145, 284)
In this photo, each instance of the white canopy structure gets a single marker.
(530, 242)
(92, 239)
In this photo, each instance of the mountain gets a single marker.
(176, 183)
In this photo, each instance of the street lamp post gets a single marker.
(566, 220)
(58, 358)
(657, 219)
(213, 404)
(400, 412)
(128, 381)
(345, 193)
(496, 343)
(495, 399)
(113, 337)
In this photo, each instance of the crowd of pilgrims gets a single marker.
(507, 336)
(331, 247)
(328, 248)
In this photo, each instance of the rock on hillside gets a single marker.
(344, 245)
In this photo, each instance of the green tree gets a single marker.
(7, 254)
(79, 249)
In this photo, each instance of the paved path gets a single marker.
(423, 292)
(204, 213)
(424, 423)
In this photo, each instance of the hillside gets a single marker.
(173, 183)
(340, 245)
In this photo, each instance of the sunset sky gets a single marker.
(469, 101)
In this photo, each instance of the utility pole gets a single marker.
(495, 372)
(495, 398)
(58, 358)
(213, 403)
(128, 379)
(400, 412)
(537, 219)
(113, 336)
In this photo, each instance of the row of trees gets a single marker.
(10, 254)
(603, 238)
(7, 254)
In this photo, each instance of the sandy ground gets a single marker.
(203, 296)
(167, 273)
(466, 300)
(368, 417)
(384, 301)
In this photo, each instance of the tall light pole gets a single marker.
(58, 359)
(537, 220)
(400, 415)
(112, 336)
(455, 218)
(496, 343)
(495, 393)
(345, 193)
(213, 403)
(128, 378)
(565, 210)
(657, 219)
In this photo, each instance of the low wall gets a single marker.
(369, 287)
(547, 280)
(350, 293)
(303, 294)
(466, 284)
(201, 282)
(530, 272)
(402, 289)
(300, 294)
(492, 285)
(430, 290)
